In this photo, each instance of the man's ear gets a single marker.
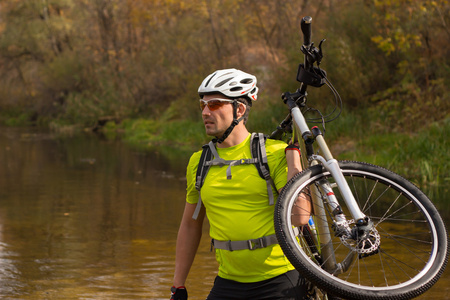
(241, 109)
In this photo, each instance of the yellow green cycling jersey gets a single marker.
(238, 209)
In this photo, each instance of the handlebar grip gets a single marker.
(306, 29)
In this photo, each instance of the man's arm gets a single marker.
(293, 163)
(188, 239)
(302, 209)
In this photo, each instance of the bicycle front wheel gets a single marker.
(409, 241)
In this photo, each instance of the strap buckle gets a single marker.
(256, 244)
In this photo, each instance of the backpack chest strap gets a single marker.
(218, 161)
(222, 162)
(259, 160)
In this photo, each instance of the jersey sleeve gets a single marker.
(191, 171)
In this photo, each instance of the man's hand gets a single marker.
(178, 293)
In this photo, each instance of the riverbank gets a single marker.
(421, 156)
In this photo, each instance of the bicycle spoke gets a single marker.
(388, 235)
(407, 204)
(383, 270)
(370, 194)
(399, 263)
(394, 253)
(378, 198)
(392, 205)
(402, 220)
(390, 268)
(408, 248)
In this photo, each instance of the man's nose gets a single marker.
(206, 110)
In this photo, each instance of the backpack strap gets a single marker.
(218, 161)
(258, 148)
(259, 159)
(206, 161)
(202, 170)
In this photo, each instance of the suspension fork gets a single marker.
(332, 166)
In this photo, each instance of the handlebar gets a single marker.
(305, 26)
(306, 29)
(308, 75)
(289, 98)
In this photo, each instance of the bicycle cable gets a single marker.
(338, 105)
(334, 114)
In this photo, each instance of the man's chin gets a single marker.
(213, 133)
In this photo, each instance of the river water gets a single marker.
(89, 218)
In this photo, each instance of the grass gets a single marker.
(421, 157)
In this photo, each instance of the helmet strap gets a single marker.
(233, 124)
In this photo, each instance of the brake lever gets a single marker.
(313, 54)
(320, 53)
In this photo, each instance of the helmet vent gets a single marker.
(235, 89)
(209, 80)
(223, 82)
(246, 81)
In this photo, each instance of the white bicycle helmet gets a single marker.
(231, 83)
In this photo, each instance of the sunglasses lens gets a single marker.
(212, 104)
(215, 104)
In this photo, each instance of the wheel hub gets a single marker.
(364, 239)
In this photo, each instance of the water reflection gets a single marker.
(84, 218)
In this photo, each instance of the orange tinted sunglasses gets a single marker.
(214, 104)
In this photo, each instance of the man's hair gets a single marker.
(245, 101)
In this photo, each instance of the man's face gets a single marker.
(217, 121)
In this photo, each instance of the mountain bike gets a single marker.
(373, 234)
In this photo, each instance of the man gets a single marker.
(235, 200)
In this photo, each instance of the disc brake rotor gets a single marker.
(367, 245)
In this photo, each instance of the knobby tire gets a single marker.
(413, 250)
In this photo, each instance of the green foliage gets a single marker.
(267, 119)
(421, 156)
(21, 119)
(140, 130)
(146, 58)
(63, 74)
(72, 64)
(182, 134)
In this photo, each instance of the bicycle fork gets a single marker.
(323, 192)
(331, 165)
